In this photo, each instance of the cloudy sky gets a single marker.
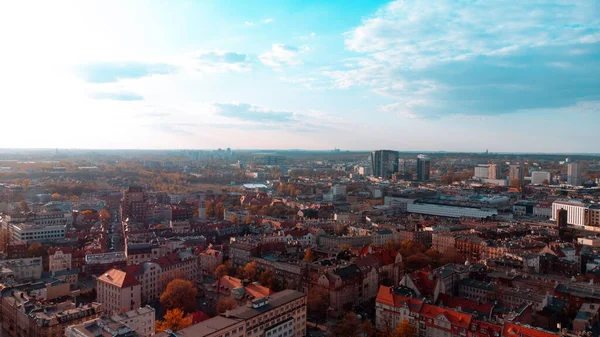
(407, 75)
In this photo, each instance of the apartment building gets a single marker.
(22, 269)
(29, 231)
(59, 258)
(118, 291)
(209, 260)
(141, 320)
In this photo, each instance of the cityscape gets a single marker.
(300, 168)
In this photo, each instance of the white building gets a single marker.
(22, 269)
(576, 211)
(59, 260)
(118, 291)
(538, 177)
(28, 231)
(141, 320)
(338, 190)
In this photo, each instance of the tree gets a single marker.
(56, 196)
(308, 255)
(345, 246)
(234, 219)
(219, 210)
(317, 302)
(250, 271)
(515, 182)
(180, 294)
(210, 210)
(174, 320)
(248, 219)
(4, 238)
(221, 271)
(25, 184)
(225, 303)
(35, 250)
(352, 326)
(104, 214)
(404, 329)
(417, 261)
(266, 279)
(23, 206)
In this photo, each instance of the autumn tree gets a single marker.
(35, 250)
(266, 279)
(210, 210)
(25, 183)
(317, 303)
(219, 210)
(250, 271)
(221, 271)
(352, 326)
(179, 294)
(234, 219)
(104, 214)
(308, 255)
(23, 206)
(240, 273)
(248, 219)
(174, 320)
(5, 238)
(417, 261)
(404, 329)
(225, 303)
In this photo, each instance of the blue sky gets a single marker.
(407, 75)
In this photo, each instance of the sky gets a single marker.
(507, 76)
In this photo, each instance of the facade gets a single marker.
(423, 167)
(494, 172)
(29, 231)
(118, 291)
(392, 309)
(517, 171)
(104, 326)
(482, 171)
(209, 260)
(138, 253)
(384, 163)
(97, 264)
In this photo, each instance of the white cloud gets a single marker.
(249, 23)
(268, 20)
(280, 55)
(313, 34)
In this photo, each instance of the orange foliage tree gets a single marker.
(174, 320)
(180, 294)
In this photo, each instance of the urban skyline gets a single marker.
(303, 74)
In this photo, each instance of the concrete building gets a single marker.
(573, 175)
(282, 314)
(540, 177)
(384, 163)
(482, 171)
(118, 291)
(517, 172)
(104, 326)
(423, 167)
(28, 231)
(577, 211)
(494, 172)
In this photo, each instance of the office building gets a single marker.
(282, 314)
(573, 174)
(494, 172)
(28, 231)
(272, 160)
(576, 211)
(384, 163)
(423, 167)
(517, 172)
(22, 269)
(134, 205)
(540, 177)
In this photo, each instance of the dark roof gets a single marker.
(275, 300)
(348, 272)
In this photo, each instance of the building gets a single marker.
(209, 260)
(482, 171)
(59, 259)
(540, 177)
(141, 320)
(573, 177)
(118, 291)
(97, 264)
(423, 167)
(517, 172)
(105, 326)
(28, 231)
(391, 309)
(22, 269)
(134, 206)
(240, 290)
(141, 252)
(273, 160)
(282, 314)
(577, 211)
(441, 322)
(494, 172)
(384, 163)
(24, 315)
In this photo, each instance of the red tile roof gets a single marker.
(387, 297)
(515, 330)
(119, 278)
(456, 318)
